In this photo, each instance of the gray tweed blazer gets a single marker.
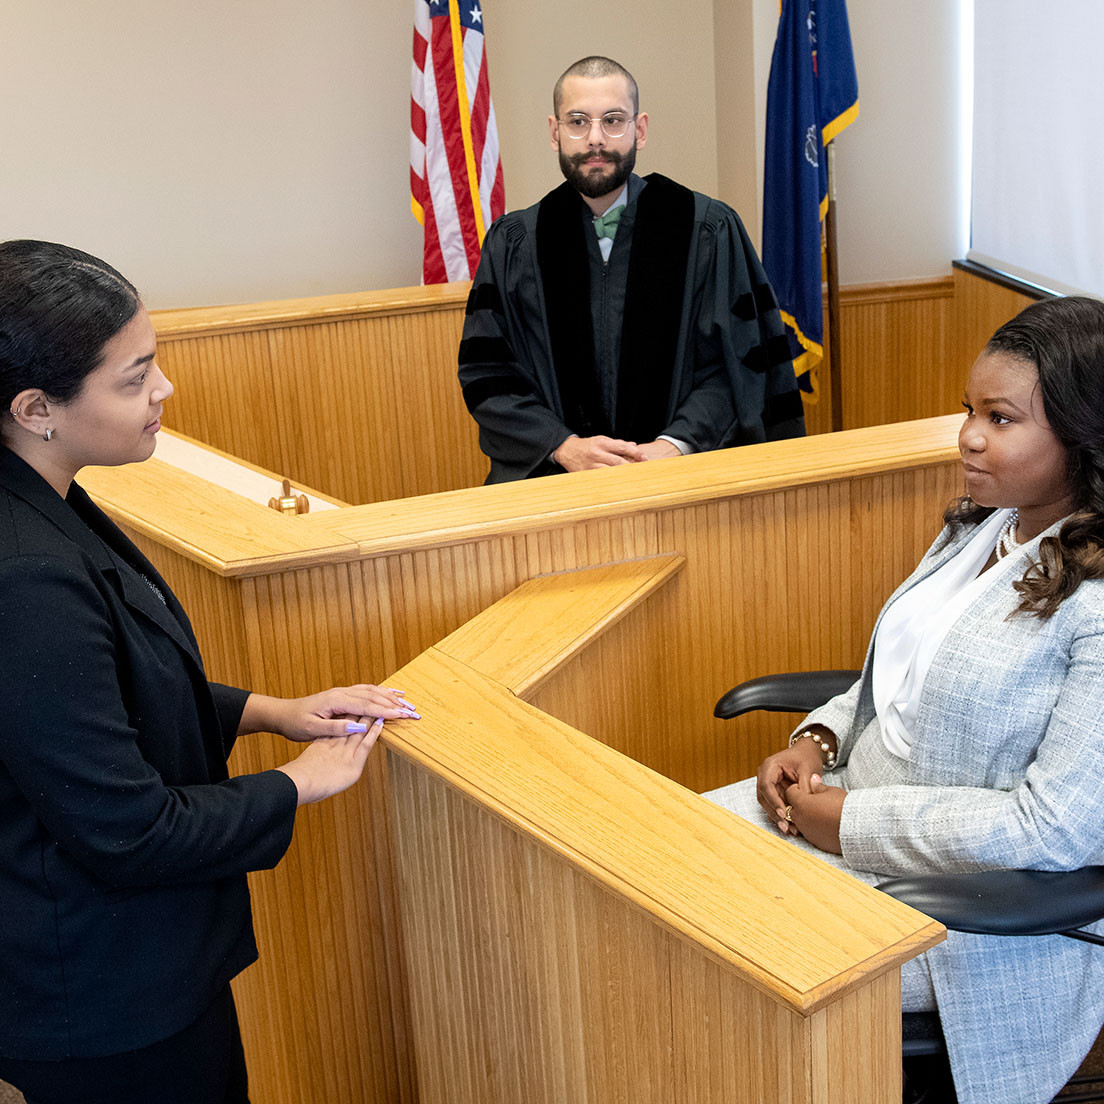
(1007, 771)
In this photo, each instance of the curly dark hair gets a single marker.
(59, 307)
(1063, 339)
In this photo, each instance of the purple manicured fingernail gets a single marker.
(355, 726)
(411, 714)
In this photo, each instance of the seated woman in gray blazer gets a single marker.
(974, 738)
(124, 845)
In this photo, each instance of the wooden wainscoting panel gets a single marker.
(440, 438)
(225, 397)
(735, 1040)
(550, 993)
(895, 342)
(796, 928)
(787, 581)
(375, 413)
(324, 1011)
(354, 394)
(618, 691)
(357, 394)
(327, 376)
(558, 989)
(981, 306)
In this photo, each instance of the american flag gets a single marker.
(456, 187)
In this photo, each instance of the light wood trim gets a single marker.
(795, 928)
(154, 500)
(172, 325)
(661, 484)
(238, 318)
(525, 637)
(228, 534)
(895, 291)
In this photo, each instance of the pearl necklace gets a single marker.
(1006, 538)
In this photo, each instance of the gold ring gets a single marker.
(789, 810)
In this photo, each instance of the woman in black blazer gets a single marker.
(124, 845)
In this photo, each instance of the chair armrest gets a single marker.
(794, 692)
(1006, 902)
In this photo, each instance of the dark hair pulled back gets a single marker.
(1063, 339)
(59, 306)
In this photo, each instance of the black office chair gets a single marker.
(997, 902)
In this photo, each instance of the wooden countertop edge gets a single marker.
(185, 526)
(187, 322)
(382, 528)
(180, 323)
(478, 513)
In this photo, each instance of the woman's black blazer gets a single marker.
(123, 843)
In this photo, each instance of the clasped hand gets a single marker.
(792, 779)
(584, 453)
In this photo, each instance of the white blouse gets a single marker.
(914, 626)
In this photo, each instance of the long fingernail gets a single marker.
(411, 714)
(355, 726)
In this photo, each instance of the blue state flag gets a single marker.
(812, 95)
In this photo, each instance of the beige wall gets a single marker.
(214, 151)
(229, 152)
(898, 166)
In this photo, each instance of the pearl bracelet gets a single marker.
(821, 742)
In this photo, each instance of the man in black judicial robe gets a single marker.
(587, 344)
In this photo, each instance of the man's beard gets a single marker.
(594, 185)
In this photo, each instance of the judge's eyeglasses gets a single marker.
(613, 124)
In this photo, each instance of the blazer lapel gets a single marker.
(137, 577)
(88, 527)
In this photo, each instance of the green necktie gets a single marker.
(605, 226)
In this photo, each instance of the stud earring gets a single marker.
(48, 434)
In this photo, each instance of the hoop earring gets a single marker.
(16, 412)
(48, 434)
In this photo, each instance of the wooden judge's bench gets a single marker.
(525, 900)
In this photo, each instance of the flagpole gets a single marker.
(835, 356)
